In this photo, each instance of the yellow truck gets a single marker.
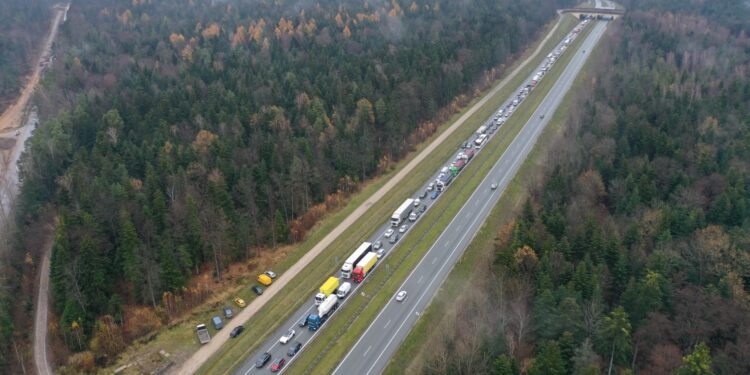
(328, 288)
(264, 279)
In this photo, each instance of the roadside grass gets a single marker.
(180, 338)
(413, 350)
(324, 353)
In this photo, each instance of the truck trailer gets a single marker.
(364, 267)
(402, 213)
(357, 255)
(325, 310)
(328, 288)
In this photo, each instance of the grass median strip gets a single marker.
(332, 343)
(270, 316)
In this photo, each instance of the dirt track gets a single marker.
(198, 358)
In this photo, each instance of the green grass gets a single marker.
(412, 351)
(338, 336)
(181, 337)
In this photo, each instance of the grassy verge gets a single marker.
(324, 353)
(181, 338)
(414, 349)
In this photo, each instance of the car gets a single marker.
(413, 216)
(435, 194)
(303, 321)
(228, 313)
(388, 233)
(294, 349)
(262, 360)
(240, 302)
(417, 202)
(236, 331)
(257, 289)
(377, 245)
(380, 253)
(401, 296)
(270, 274)
(493, 186)
(431, 186)
(423, 208)
(541, 116)
(393, 238)
(467, 144)
(403, 228)
(217, 322)
(288, 336)
(277, 364)
(423, 195)
(584, 51)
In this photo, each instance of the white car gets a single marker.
(380, 253)
(388, 233)
(288, 336)
(403, 228)
(270, 274)
(493, 186)
(417, 202)
(401, 296)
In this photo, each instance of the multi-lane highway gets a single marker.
(375, 347)
(277, 350)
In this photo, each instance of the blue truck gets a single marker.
(325, 310)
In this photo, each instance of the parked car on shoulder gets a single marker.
(228, 313)
(270, 274)
(257, 289)
(240, 302)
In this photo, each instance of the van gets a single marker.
(264, 279)
(218, 323)
(343, 290)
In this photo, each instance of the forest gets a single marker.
(180, 137)
(631, 257)
(22, 26)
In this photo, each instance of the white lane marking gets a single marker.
(420, 279)
(387, 323)
(366, 351)
(434, 260)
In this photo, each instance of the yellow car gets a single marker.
(240, 302)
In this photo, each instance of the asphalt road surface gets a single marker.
(371, 353)
(303, 335)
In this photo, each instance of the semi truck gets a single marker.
(443, 181)
(357, 255)
(402, 213)
(364, 266)
(328, 288)
(202, 331)
(325, 310)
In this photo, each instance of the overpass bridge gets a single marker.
(597, 13)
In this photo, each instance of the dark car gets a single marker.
(423, 208)
(303, 321)
(394, 238)
(435, 194)
(277, 364)
(423, 195)
(467, 144)
(257, 290)
(236, 331)
(228, 313)
(294, 349)
(262, 360)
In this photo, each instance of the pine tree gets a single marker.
(548, 361)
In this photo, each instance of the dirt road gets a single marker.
(11, 118)
(41, 361)
(198, 358)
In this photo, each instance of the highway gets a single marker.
(370, 355)
(303, 335)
